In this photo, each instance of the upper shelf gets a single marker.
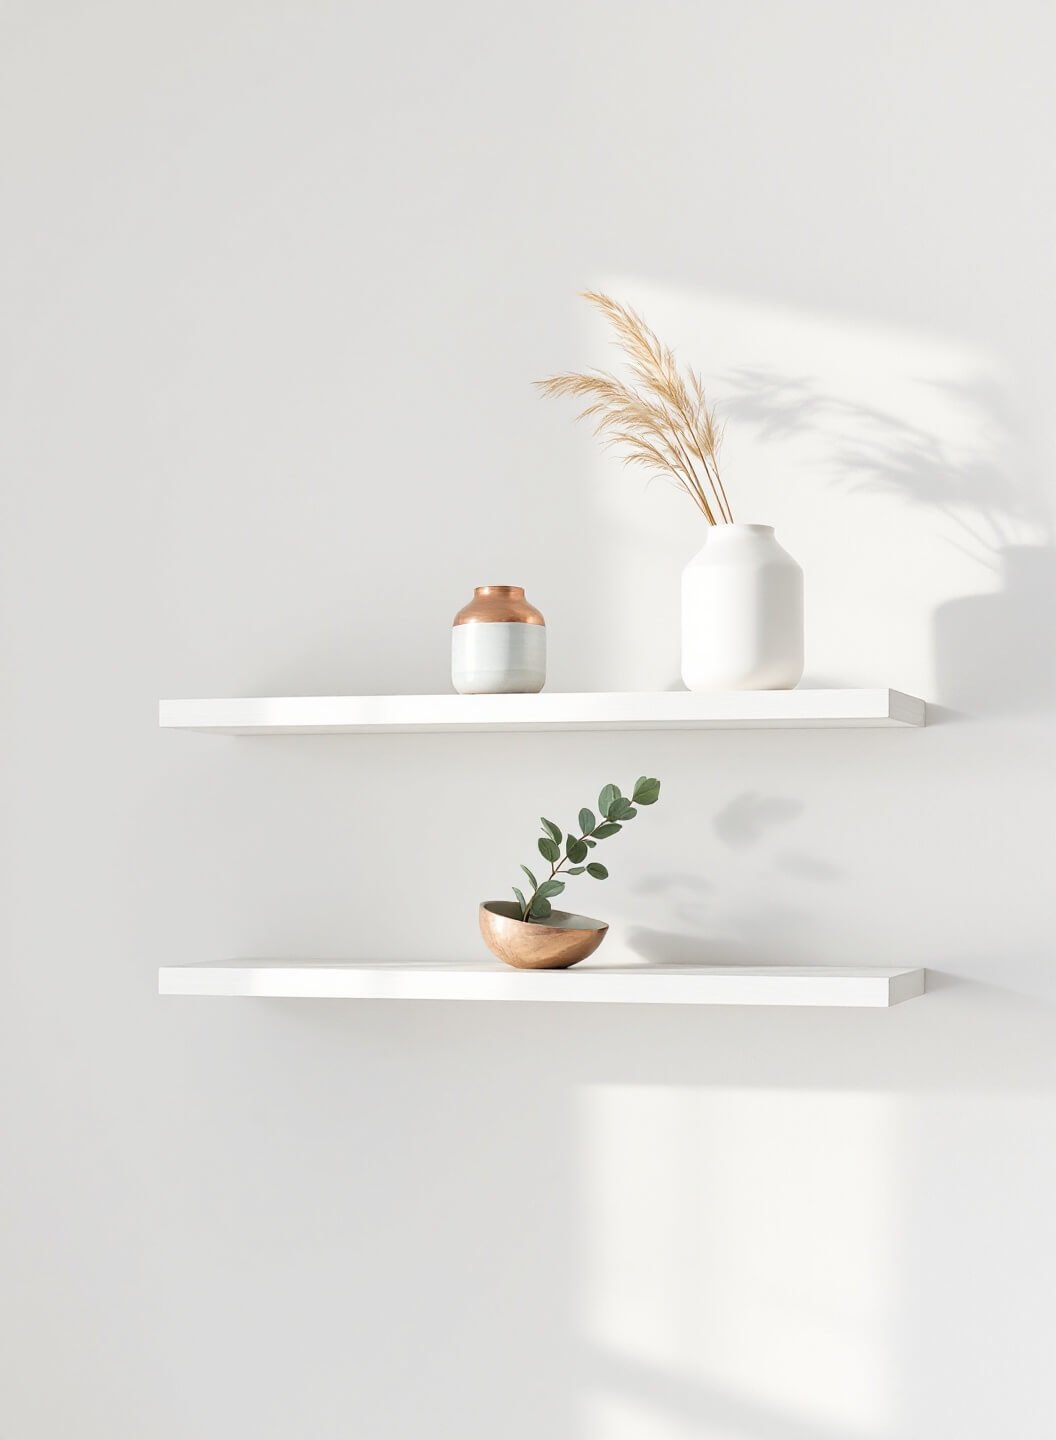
(629, 710)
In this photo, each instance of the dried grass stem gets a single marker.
(665, 425)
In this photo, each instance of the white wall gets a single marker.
(277, 277)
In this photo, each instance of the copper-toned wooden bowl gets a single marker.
(561, 942)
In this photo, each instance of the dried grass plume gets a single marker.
(662, 422)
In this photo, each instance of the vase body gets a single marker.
(498, 644)
(742, 613)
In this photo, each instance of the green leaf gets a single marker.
(540, 909)
(520, 897)
(577, 851)
(591, 843)
(576, 870)
(549, 851)
(531, 877)
(604, 831)
(552, 830)
(598, 871)
(621, 809)
(609, 795)
(586, 821)
(646, 791)
(549, 888)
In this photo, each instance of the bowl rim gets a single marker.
(592, 926)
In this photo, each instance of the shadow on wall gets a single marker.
(994, 653)
(725, 929)
(929, 557)
(896, 469)
(991, 651)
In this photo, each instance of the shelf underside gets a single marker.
(600, 984)
(629, 710)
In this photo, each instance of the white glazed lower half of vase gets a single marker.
(742, 613)
(500, 658)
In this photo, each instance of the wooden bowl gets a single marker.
(563, 941)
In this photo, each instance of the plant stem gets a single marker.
(722, 488)
(557, 865)
(692, 436)
(698, 495)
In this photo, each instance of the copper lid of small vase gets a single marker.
(499, 605)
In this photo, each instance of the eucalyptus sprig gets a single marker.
(615, 811)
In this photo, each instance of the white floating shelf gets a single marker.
(630, 710)
(599, 984)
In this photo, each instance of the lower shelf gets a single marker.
(599, 984)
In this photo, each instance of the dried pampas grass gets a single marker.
(664, 424)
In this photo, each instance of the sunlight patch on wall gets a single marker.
(739, 1261)
(615, 1417)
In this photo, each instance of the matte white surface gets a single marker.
(498, 658)
(585, 983)
(664, 710)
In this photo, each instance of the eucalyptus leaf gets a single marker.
(598, 871)
(620, 809)
(520, 897)
(552, 830)
(531, 877)
(609, 828)
(576, 870)
(540, 908)
(549, 888)
(646, 791)
(607, 798)
(586, 822)
(591, 843)
(577, 851)
(549, 851)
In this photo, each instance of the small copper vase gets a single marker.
(498, 644)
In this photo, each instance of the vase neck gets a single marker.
(737, 531)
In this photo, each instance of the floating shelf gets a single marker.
(598, 984)
(630, 710)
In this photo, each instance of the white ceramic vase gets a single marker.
(742, 613)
